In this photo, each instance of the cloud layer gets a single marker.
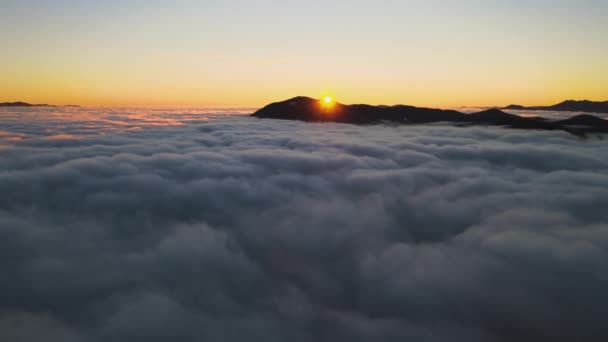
(118, 225)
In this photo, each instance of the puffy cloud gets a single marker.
(180, 225)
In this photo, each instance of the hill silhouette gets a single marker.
(584, 106)
(312, 110)
(22, 104)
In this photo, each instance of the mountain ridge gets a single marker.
(584, 106)
(23, 104)
(313, 110)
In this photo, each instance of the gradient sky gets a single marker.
(238, 52)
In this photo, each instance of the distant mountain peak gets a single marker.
(514, 107)
(584, 106)
(25, 104)
(22, 104)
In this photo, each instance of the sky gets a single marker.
(234, 52)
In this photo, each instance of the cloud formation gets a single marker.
(182, 226)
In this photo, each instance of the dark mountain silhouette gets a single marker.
(586, 120)
(515, 107)
(22, 104)
(569, 106)
(312, 110)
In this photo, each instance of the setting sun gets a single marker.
(328, 99)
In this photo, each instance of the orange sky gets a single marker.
(434, 53)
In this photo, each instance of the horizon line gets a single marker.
(243, 106)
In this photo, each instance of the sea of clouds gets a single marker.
(121, 224)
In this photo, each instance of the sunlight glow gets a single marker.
(328, 99)
(111, 61)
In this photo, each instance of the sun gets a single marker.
(328, 99)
